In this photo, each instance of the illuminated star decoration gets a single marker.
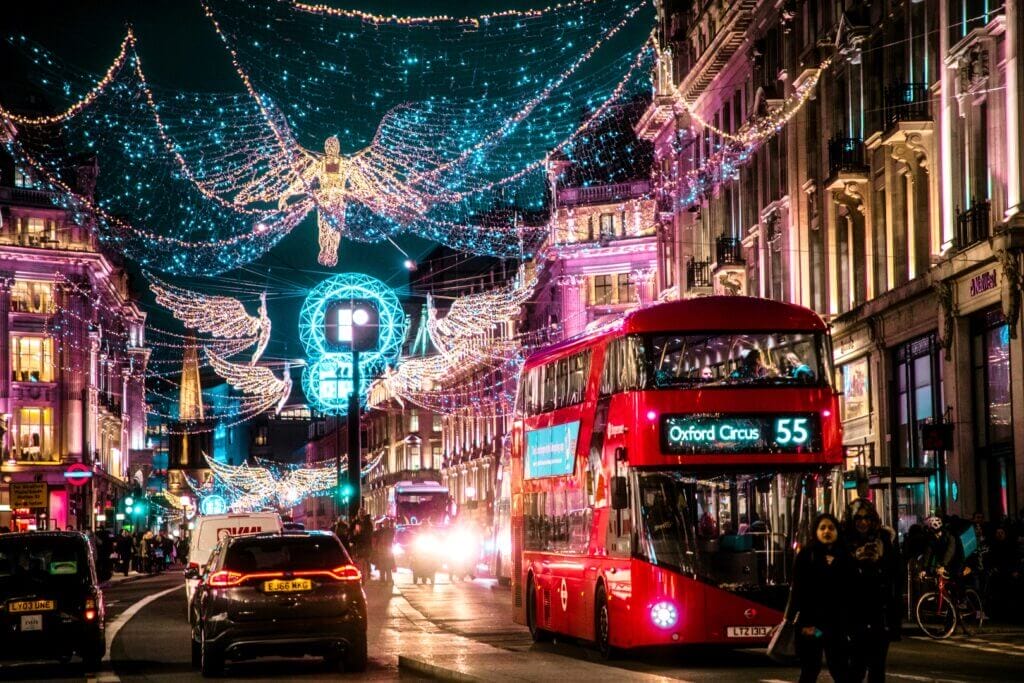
(223, 317)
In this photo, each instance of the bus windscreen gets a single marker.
(739, 359)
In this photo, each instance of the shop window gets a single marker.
(31, 359)
(436, 423)
(993, 408)
(33, 435)
(436, 456)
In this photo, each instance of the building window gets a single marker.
(34, 435)
(32, 297)
(436, 456)
(414, 421)
(993, 427)
(607, 226)
(436, 423)
(415, 456)
(31, 359)
(627, 288)
(22, 178)
(261, 436)
(918, 398)
(602, 290)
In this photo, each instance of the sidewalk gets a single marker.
(424, 649)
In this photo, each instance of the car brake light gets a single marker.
(346, 573)
(90, 614)
(225, 578)
(193, 565)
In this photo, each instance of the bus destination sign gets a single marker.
(551, 452)
(747, 433)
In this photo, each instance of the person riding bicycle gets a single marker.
(942, 556)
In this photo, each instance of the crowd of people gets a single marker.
(145, 552)
(847, 599)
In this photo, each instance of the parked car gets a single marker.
(291, 594)
(210, 529)
(51, 605)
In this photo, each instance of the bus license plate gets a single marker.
(31, 606)
(747, 631)
(32, 622)
(293, 586)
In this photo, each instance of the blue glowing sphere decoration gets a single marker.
(213, 505)
(326, 329)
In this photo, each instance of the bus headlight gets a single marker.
(664, 614)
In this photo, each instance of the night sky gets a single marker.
(181, 51)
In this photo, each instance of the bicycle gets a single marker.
(940, 611)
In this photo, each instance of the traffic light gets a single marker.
(346, 492)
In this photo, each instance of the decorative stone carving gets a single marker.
(1012, 283)
(973, 68)
(913, 151)
(944, 293)
(850, 197)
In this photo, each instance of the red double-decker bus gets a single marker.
(664, 470)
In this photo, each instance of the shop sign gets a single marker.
(78, 474)
(29, 495)
(983, 282)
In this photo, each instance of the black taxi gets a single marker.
(292, 594)
(51, 606)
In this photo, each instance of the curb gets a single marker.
(435, 671)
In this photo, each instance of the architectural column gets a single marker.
(74, 301)
(1014, 91)
(948, 109)
(6, 282)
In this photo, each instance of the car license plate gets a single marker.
(32, 622)
(293, 586)
(31, 606)
(747, 631)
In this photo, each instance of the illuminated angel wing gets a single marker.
(258, 382)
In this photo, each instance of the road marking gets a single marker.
(103, 677)
(125, 617)
(925, 679)
(987, 647)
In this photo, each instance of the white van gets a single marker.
(210, 529)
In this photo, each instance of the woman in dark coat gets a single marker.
(874, 595)
(816, 602)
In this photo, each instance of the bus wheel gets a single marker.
(603, 625)
(538, 634)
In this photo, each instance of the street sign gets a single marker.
(78, 474)
(29, 495)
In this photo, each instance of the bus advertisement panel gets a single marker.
(664, 471)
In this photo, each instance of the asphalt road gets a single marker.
(153, 644)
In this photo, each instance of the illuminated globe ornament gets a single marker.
(213, 505)
(339, 313)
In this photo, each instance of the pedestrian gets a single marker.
(385, 543)
(816, 603)
(124, 551)
(182, 551)
(874, 605)
(341, 531)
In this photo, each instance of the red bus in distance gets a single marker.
(664, 470)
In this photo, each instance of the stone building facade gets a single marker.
(72, 360)
(890, 203)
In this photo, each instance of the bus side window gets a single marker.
(620, 531)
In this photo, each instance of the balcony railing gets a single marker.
(906, 102)
(846, 155)
(728, 251)
(972, 225)
(604, 194)
(698, 274)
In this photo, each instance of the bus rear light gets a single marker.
(664, 614)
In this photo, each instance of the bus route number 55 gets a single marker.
(791, 431)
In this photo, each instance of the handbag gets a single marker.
(782, 646)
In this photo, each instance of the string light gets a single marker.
(261, 387)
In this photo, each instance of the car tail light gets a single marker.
(225, 578)
(346, 572)
(193, 565)
(90, 609)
